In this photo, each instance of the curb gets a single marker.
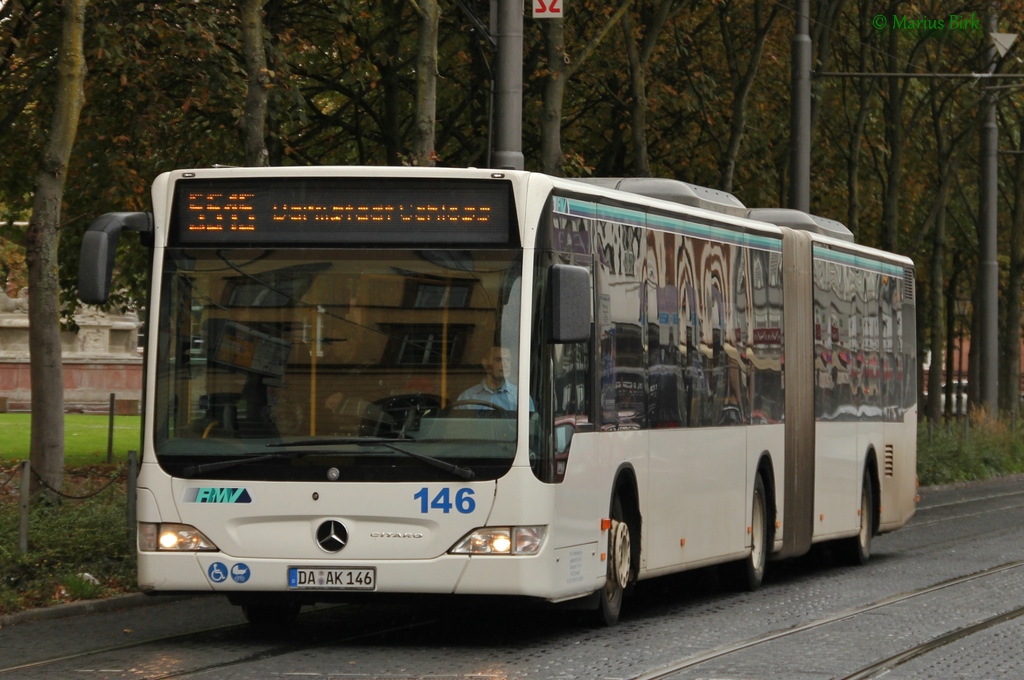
(60, 611)
(974, 483)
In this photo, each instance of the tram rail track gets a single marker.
(713, 655)
(884, 665)
(271, 652)
(116, 648)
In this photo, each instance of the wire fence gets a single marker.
(115, 475)
(7, 481)
(26, 474)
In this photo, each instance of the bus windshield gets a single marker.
(356, 365)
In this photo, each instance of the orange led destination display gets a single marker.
(340, 211)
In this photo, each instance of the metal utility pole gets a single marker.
(508, 86)
(800, 111)
(987, 295)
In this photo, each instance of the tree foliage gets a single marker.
(692, 90)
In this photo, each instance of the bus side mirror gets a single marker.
(99, 245)
(570, 303)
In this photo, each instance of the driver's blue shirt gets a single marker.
(506, 396)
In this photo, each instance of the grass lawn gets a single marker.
(85, 437)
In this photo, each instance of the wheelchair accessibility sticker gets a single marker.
(219, 572)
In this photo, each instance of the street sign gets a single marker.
(547, 9)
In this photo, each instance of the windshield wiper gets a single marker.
(192, 470)
(457, 470)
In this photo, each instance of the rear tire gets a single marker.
(618, 575)
(760, 539)
(857, 550)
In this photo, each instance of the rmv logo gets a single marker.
(209, 494)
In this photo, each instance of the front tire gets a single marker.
(857, 550)
(618, 575)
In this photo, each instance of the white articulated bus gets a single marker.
(380, 380)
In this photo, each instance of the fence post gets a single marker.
(110, 431)
(26, 479)
(133, 468)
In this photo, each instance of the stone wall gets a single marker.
(100, 359)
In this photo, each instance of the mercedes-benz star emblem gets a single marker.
(331, 536)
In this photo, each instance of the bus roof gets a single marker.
(731, 210)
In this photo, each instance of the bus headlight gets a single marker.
(501, 541)
(173, 537)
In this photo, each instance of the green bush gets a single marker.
(67, 540)
(966, 450)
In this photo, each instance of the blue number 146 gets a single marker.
(442, 500)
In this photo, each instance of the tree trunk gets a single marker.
(1010, 368)
(637, 100)
(392, 111)
(47, 448)
(257, 78)
(893, 109)
(426, 83)
(560, 68)
(741, 82)
(638, 58)
(274, 25)
(935, 387)
(936, 322)
(865, 88)
(823, 30)
(554, 95)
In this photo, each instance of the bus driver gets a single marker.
(495, 387)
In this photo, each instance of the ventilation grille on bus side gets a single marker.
(908, 285)
(888, 460)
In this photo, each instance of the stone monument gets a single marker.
(102, 358)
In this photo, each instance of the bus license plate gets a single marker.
(333, 578)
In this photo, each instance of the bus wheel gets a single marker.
(271, 616)
(619, 550)
(754, 564)
(857, 549)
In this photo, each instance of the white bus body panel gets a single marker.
(838, 467)
(698, 495)
(899, 487)
(387, 531)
